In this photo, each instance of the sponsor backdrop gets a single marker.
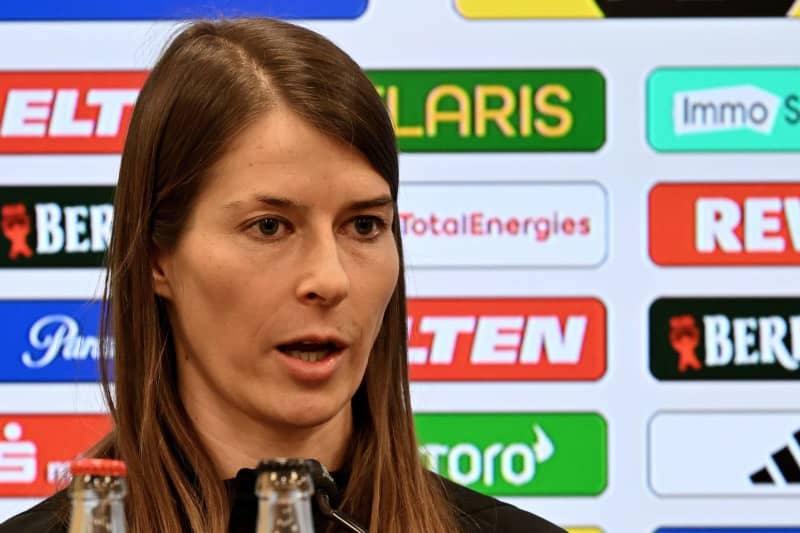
(602, 228)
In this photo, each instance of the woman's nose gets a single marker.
(323, 280)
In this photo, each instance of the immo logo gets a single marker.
(492, 9)
(495, 110)
(706, 453)
(503, 225)
(724, 109)
(507, 339)
(181, 9)
(35, 450)
(725, 338)
(54, 226)
(725, 224)
(49, 341)
(66, 112)
(518, 454)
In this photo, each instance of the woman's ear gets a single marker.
(161, 278)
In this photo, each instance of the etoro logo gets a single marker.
(511, 339)
(35, 450)
(54, 226)
(724, 109)
(725, 224)
(503, 224)
(66, 112)
(725, 338)
(517, 454)
(494, 110)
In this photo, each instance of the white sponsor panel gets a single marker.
(503, 225)
(722, 453)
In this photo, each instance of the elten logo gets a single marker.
(518, 454)
(66, 112)
(703, 453)
(725, 338)
(55, 227)
(35, 450)
(49, 341)
(724, 109)
(182, 9)
(507, 339)
(503, 225)
(724, 224)
(494, 110)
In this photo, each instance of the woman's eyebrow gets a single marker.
(286, 203)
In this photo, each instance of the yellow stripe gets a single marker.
(493, 9)
(795, 11)
(584, 530)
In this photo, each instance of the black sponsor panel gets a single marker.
(725, 338)
(54, 227)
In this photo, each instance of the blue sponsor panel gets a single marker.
(180, 9)
(729, 530)
(51, 341)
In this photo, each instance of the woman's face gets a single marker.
(278, 285)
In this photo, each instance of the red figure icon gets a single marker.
(684, 336)
(16, 226)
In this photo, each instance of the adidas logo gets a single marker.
(784, 466)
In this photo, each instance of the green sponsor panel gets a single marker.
(518, 454)
(495, 110)
(55, 227)
(724, 109)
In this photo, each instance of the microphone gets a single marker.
(324, 487)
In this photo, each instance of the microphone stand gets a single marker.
(323, 485)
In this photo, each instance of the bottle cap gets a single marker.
(98, 467)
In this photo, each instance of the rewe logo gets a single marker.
(515, 463)
(725, 338)
(725, 224)
(725, 109)
(517, 454)
(35, 450)
(510, 339)
(54, 226)
(66, 112)
(783, 466)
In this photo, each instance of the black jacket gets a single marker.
(476, 513)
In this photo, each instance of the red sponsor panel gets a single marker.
(66, 112)
(507, 339)
(725, 224)
(35, 450)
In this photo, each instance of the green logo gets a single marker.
(518, 454)
(724, 109)
(494, 110)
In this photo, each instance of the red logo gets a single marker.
(35, 450)
(66, 112)
(536, 339)
(684, 336)
(16, 226)
(725, 224)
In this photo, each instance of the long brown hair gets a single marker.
(212, 80)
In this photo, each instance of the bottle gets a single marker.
(284, 489)
(97, 491)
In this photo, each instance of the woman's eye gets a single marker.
(269, 226)
(368, 226)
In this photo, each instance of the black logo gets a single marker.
(725, 338)
(785, 465)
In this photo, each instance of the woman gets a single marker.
(256, 293)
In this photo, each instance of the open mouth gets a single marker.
(310, 352)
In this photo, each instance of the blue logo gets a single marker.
(49, 341)
(180, 9)
(729, 530)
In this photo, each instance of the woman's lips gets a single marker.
(311, 371)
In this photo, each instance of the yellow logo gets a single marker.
(795, 11)
(584, 530)
(487, 9)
